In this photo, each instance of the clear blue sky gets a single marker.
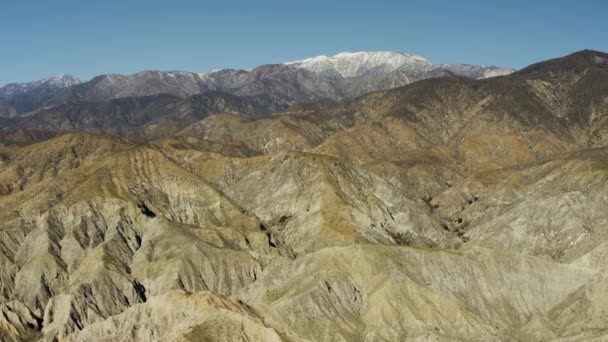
(86, 38)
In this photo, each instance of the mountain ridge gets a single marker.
(287, 83)
(446, 209)
(382, 57)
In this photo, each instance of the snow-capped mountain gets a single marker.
(352, 64)
(317, 79)
(56, 82)
(356, 64)
(61, 81)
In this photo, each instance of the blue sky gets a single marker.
(85, 38)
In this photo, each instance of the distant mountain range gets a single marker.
(318, 79)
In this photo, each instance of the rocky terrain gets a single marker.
(451, 208)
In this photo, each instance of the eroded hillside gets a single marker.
(448, 209)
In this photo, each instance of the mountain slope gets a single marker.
(452, 110)
(138, 118)
(15, 97)
(41, 86)
(447, 209)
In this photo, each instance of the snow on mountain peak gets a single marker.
(61, 81)
(351, 64)
(55, 82)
